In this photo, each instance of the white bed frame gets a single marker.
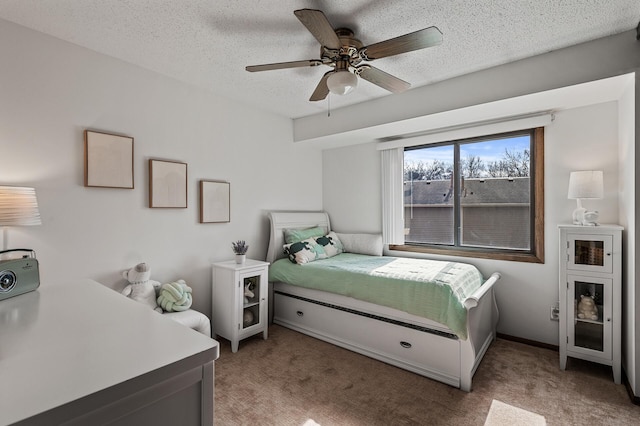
(407, 341)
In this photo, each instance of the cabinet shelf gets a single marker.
(588, 321)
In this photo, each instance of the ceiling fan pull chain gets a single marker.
(329, 105)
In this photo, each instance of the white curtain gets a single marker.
(393, 196)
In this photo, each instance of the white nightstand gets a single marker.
(235, 317)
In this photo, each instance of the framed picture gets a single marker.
(167, 184)
(215, 205)
(108, 160)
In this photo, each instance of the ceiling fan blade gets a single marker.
(322, 90)
(283, 65)
(413, 41)
(382, 79)
(318, 25)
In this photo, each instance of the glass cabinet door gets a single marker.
(590, 253)
(251, 298)
(590, 330)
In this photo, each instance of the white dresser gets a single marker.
(81, 353)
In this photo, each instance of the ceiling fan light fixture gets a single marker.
(342, 82)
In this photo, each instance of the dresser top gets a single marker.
(66, 341)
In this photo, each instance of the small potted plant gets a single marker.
(240, 249)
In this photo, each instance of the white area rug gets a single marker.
(508, 415)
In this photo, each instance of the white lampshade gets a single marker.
(342, 82)
(18, 206)
(586, 184)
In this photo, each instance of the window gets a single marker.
(480, 197)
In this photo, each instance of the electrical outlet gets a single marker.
(555, 313)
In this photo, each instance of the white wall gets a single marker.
(596, 60)
(351, 188)
(578, 139)
(50, 91)
(627, 218)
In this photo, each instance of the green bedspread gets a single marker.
(432, 289)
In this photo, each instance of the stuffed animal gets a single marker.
(247, 292)
(247, 318)
(140, 287)
(587, 308)
(247, 315)
(174, 296)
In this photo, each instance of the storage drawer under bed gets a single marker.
(432, 355)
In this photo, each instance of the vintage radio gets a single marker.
(18, 275)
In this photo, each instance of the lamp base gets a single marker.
(578, 215)
(585, 218)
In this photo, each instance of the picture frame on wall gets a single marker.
(167, 184)
(108, 160)
(215, 201)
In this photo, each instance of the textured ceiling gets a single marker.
(208, 43)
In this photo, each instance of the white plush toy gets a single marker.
(247, 318)
(587, 308)
(248, 294)
(247, 315)
(140, 287)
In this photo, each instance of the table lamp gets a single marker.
(587, 184)
(18, 207)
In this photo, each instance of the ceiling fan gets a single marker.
(347, 56)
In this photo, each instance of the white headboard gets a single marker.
(297, 220)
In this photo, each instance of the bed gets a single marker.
(449, 352)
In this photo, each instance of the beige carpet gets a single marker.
(292, 379)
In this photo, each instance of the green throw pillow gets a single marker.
(297, 235)
(328, 246)
(301, 252)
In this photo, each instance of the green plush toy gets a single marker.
(175, 296)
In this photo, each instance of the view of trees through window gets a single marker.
(483, 202)
(513, 161)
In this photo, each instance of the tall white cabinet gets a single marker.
(236, 316)
(591, 267)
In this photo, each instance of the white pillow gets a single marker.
(370, 244)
